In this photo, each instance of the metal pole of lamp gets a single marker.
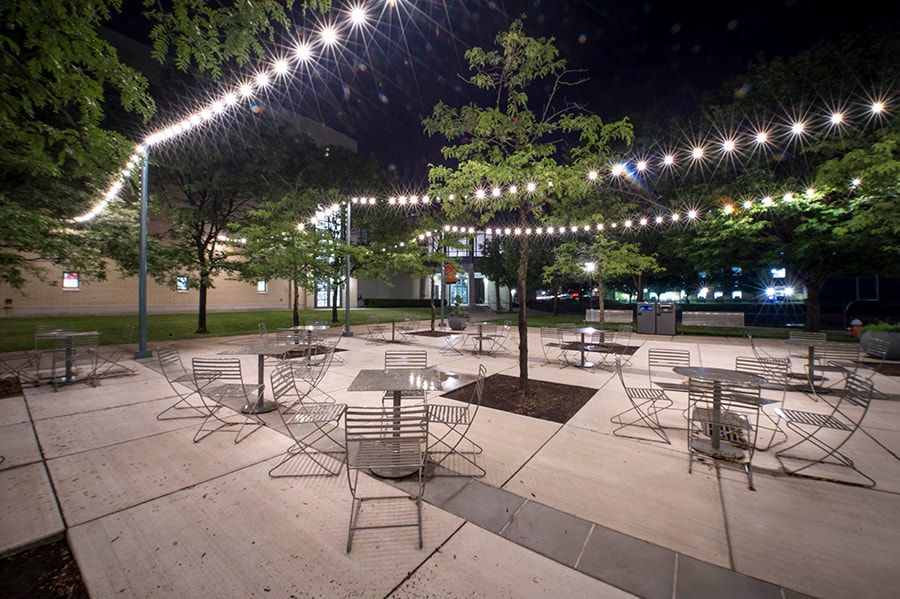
(443, 284)
(347, 331)
(142, 351)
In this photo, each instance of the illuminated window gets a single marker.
(262, 287)
(70, 280)
(181, 284)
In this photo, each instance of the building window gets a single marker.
(70, 280)
(181, 284)
(262, 287)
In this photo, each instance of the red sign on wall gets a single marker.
(449, 273)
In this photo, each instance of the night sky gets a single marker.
(382, 83)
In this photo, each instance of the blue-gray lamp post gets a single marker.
(142, 351)
(347, 331)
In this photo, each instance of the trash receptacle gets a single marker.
(665, 319)
(646, 318)
(855, 327)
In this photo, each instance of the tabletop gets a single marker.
(397, 379)
(263, 348)
(722, 375)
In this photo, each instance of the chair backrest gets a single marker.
(394, 424)
(842, 352)
(170, 362)
(489, 329)
(405, 358)
(127, 334)
(661, 361)
(287, 336)
(210, 370)
(858, 390)
(282, 382)
(776, 371)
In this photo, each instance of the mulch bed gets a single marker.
(432, 333)
(546, 400)
(46, 572)
(11, 387)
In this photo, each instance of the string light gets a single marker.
(330, 35)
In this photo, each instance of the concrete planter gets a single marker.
(893, 338)
(458, 323)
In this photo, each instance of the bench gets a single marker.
(712, 319)
(612, 316)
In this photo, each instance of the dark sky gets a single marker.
(381, 84)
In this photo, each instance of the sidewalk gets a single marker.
(563, 508)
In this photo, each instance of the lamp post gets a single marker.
(589, 267)
(142, 351)
(347, 331)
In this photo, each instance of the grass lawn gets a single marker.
(18, 333)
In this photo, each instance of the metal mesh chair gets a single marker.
(776, 372)
(390, 441)
(661, 361)
(453, 440)
(550, 346)
(182, 382)
(500, 338)
(226, 399)
(452, 343)
(311, 367)
(728, 414)
(646, 403)
(407, 327)
(405, 358)
(109, 359)
(375, 330)
(878, 349)
(840, 358)
(822, 434)
(313, 426)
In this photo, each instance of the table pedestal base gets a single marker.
(726, 451)
(392, 472)
(261, 407)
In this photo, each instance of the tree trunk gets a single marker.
(497, 293)
(813, 306)
(295, 288)
(335, 293)
(522, 285)
(201, 307)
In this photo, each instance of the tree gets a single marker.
(204, 189)
(58, 153)
(760, 214)
(515, 139)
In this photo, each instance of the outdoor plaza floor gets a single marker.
(564, 509)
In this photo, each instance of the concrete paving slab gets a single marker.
(74, 433)
(243, 534)
(639, 567)
(13, 410)
(476, 563)
(700, 580)
(29, 514)
(819, 538)
(18, 445)
(641, 490)
(102, 481)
